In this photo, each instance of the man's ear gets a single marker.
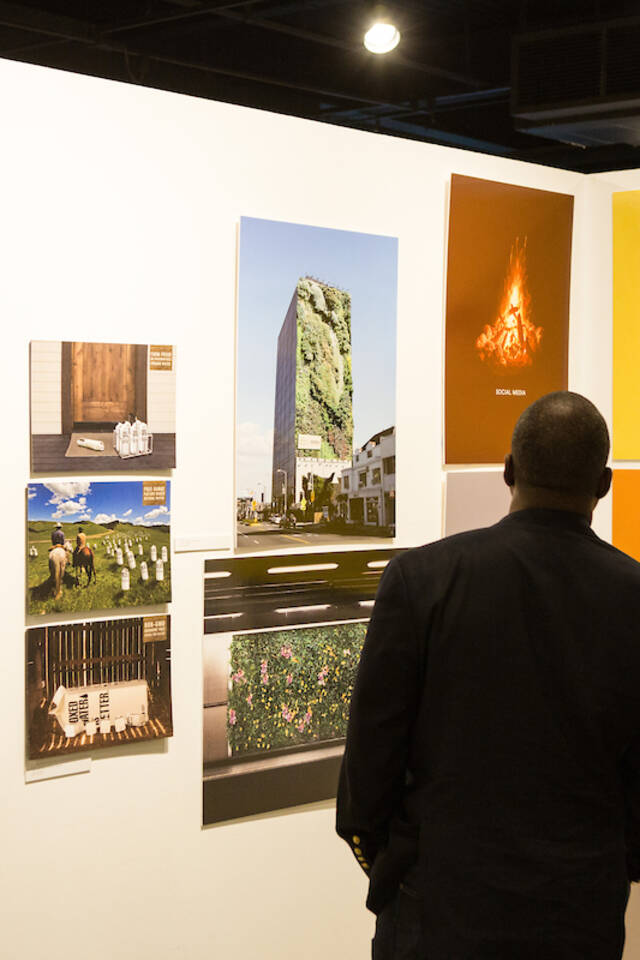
(604, 483)
(509, 475)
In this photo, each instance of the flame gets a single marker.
(513, 340)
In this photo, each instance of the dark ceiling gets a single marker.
(478, 74)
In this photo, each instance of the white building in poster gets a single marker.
(367, 492)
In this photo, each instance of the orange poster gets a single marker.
(507, 313)
(626, 517)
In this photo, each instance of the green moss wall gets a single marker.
(324, 385)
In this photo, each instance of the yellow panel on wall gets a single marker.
(626, 325)
(626, 516)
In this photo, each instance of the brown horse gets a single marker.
(83, 559)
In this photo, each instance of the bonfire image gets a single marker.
(513, 340)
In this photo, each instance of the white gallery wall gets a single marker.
(119, 209)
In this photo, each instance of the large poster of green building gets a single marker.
(315, 386)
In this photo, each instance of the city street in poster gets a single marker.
(102, 406)
(507, 313)
(283, 635)
(99, 684)
(97, 545)
(316, 386)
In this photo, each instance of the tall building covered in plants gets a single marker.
(313, 420)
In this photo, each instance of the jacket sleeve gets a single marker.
(383, 707)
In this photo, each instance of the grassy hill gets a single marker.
(106, 592)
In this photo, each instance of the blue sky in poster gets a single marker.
(77, 500)
(273, 257)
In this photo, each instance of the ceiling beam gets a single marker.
(354, 48)
(61, 28)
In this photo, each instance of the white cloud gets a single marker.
(105, 518)
(255, 458)
(139, 520)
(32, 493)
(67, 508)
(84, 518)
(127, 513)
(67, 490)
(157, 512)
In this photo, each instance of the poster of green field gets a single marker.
(97, 545)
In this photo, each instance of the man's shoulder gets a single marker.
(491, 541)
(456, 545)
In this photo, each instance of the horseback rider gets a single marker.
(81, 542)
(57, 536)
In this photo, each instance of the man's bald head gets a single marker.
(561, 443)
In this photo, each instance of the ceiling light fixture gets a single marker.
(383, 35)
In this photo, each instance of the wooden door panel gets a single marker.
(103, 382)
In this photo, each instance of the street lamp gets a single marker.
(284, 489)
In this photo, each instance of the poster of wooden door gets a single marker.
(103, 383)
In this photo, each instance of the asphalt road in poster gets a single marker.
(269, 536)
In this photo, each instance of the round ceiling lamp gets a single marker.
(383, 35)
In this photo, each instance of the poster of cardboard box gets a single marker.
(97, 545)
(507, 311)
(102, 406)
(474, 498)
(316, 386)
(282, 642)
(98, 684)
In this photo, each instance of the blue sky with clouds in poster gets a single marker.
(273, 257)
(75, 501)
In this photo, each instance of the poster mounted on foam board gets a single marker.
(626, 328)
(99, 684)
(625, 531)
(473, 499)
(97, 545)
(102, 406)
(316, 386)
(507, 311)
(283, 635)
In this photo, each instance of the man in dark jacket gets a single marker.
(57, 536)
(491, 781)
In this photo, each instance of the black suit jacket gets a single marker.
(494, 739)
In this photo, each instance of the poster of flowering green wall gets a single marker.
(275, 716)
(291, 687)
(282, 640)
